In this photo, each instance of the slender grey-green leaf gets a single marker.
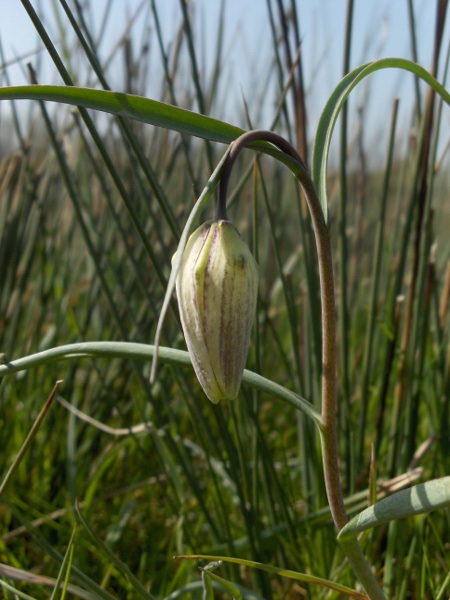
(146, 352)
(336, 102)
(419, 499)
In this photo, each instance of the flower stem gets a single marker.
(328, 422)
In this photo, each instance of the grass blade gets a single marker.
(282, 572)
(30, 437)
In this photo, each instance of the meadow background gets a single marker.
(91, 210)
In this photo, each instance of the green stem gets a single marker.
(328, 421)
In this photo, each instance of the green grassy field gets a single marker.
(123, 476)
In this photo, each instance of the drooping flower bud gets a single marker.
(217, 287)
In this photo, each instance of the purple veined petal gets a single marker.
(217, 290)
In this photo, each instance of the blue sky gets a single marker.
(380, 29)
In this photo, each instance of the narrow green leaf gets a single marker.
(66, 566)
(419, 499)
(15, 593)
(282, 572)
(30, 437)
(334, 106)
(127, 105)
(121, 566)
(130, 350)
(28, 577)
(232, 589)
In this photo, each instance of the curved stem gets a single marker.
(329, 428)
(328, 425)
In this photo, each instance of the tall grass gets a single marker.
(91, 212)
